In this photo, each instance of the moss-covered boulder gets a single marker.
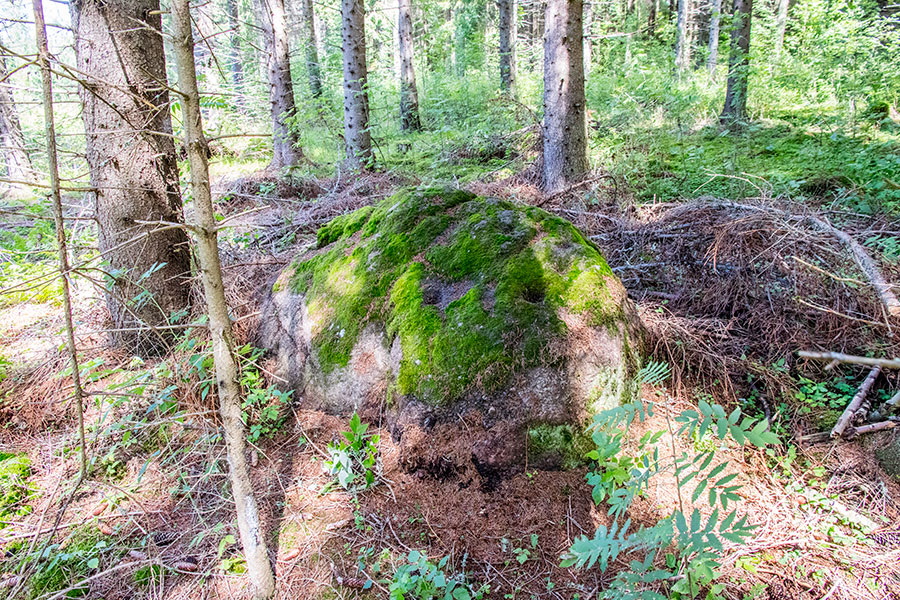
(438, 306)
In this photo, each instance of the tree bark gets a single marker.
(409, 96)
(651, 17)
(508, 30)
(683, 41)
(131, 157)
(236, 57)
(564, 131)
(357, 139)
(252, 540)
(735, 109)
(712, 60)
(286, 149)
(62, 248)
(313, 73)
(18, 165)
(780, 26)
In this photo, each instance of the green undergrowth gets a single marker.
(472, 288)
(14, 490)
(791, 155)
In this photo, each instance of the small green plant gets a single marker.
(690, 541)
(420, 579)
(353, 460)
(149, 574)
(62, 566)
(262, 405)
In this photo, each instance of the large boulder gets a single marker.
(457, 318)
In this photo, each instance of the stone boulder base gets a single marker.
(484, 333)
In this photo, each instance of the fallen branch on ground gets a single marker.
(847, 416)
(884, 363)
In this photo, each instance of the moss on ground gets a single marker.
(472, 288)
(562, 444)
(14, 471)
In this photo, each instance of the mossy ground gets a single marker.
(472, 288)
(14, 471)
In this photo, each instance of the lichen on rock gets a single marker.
(443, 304)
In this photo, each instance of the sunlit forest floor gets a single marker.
(705, 226)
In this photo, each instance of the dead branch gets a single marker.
(847, 416)
(884, 363)
(871, 428)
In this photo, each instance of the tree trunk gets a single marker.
(357, 139)
(508, 30)
(18, 165)
(312, 50)
(252, 539)
(131, 157)
(588, 32)
(735, 109)
(409, 96)
(286, 149)
(700, 24)
(683, 41)
(236, 58)
(651, 17)
(712, 61)
(780, 26)
(564, 131)
(61, 246)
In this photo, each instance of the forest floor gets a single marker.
(716, 282)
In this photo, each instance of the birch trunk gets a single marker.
(131, 156)
(781, 26)
(564, 131)
(409, 95)
(18, 165)
(508, 30)
(357, 139)
(286, 149)
(255, 553)
(683, 41)
(712, 60)
(735, 109)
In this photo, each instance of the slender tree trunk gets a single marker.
(735, 109)
(312, 49)
(588, 32)
(683, 41)
(565, 131)
(18, 165)
(131, 156)
(56, 199)
(712, 60)
(780, 26)
(700, 23)
(236, 56)
(409, 96)
(357, 138)
(651, 17)
(252, 538)
(508, 30)
(286, 149)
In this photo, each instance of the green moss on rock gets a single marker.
(558, 445)
(472, 288)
